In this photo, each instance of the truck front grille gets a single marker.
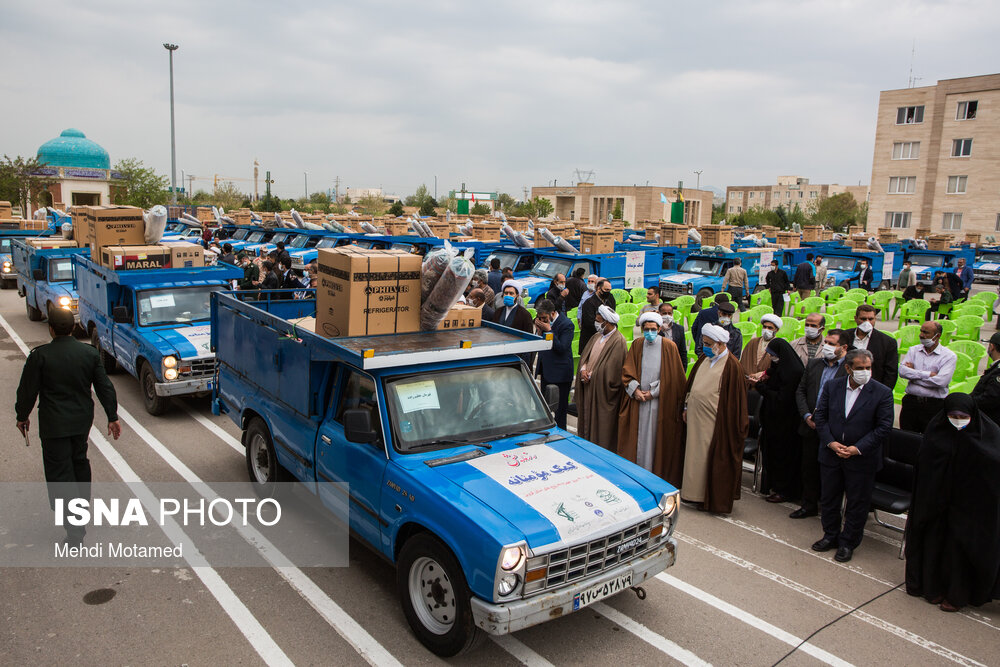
(672, 290)
(566, 566)
(199, 368)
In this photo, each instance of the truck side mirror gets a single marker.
(551, 394)
(37, 275)
(358, 426)
(120, 315)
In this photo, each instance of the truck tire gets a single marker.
(846, 284)
(155, 405)
(34, 314)
(435, 596)
(109, 362)
(262, 460)
(702, 293)
(884, 285)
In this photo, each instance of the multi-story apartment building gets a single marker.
(937, 158)
(789, 192)
(586, 201)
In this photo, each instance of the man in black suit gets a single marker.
(708, 315)
(819, 371)
(555, 366)
(853, 419)
(805, 279)
(884, 348)
(513, 314)
(777, 284)
(987, 391)
(674, 330)
(588, 312)
(865, 276)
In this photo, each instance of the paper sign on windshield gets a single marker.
(887, 261)
(418, 396)
(162, 301)
(574, 498)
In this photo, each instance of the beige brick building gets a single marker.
(585, 201)
(937, 158)
(788, 192)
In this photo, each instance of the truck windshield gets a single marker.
(240, 234)
(255, 237)
(547, 267)
(928, 260)
(299, 241)
(327, 242)
(508, 260)
(60, 270)
(463, 405)
(702, 266)
(5, 246)
(840, 263)
(989, 257)
(175, 305)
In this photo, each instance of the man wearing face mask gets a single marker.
(853, 419)
(755, 360)
(716, 418)
(929, 368)
(884, 348)
(726, 313)
(907, 277)
(865, 276)
(513, 314)
(649, 432)
(818, 372)
(591, 286)
(674, 331)
(820, 273)
(778, 285)
(480, 281)
(557, 293)
(602, 297)
(987, 391)
(599, 382)
(555, 365)
(708, 315)
(576, 286)
(810, 345)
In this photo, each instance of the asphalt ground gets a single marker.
(746, 588)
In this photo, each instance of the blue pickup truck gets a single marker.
(153, 323)
(495, 519)
(8, 274)
(926, 262)
(613, 266)
(702, 273)
(45, 278)
(987, 265)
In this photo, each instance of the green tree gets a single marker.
(616, 213)
(419, 197)
(782, 214)
(227, 195)
(372, 205)
(838, 212)
(18, 185)
(427, 206)
(505, 202)
(718, 214)
(797, 216)
(397, 208)
(269, 203)
(140, 185)
(757, 217)
(543, 206)
(480, 209)
(451, 204)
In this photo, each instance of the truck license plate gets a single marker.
(601, 591)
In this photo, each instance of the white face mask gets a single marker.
(725, 321)
(866, 326)
(812, 332)
(928, 342)
(861, 377)
(829, 352)
(668, 320)
(767, 334)
(591, 287)
(960, 422)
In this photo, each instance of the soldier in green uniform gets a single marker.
(60, 374)
(987, 391)
(251, 273)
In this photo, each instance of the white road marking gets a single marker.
(668, 647)
(242, 618)
(752, 620)
(214, 428)
(521, 652)
(917, 640)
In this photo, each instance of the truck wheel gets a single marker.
(155, 405)
(435, 597)
(702, 293)
(846, 284)
(884, 285)
(262, 460)
(109, 362)
(34, 314)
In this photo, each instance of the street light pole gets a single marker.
(173, 142)
(305, 182)
(698, 185)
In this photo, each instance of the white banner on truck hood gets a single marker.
(574, 498)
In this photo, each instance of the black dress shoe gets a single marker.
(803, 512)
(843, 554)
(775, 498)
(824, 544)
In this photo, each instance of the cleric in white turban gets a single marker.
(755, 360)
(608, 315)
(599, 382)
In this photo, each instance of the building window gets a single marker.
(788, 195)
(961, 148)
(751, 195)
(739, 209)
(956, 184)
(800, 194)
(731, 208)
(967, 110)
(951, 221)
(906, 150)
(897, 219)
(909, 115)
(812, 194)
(902, 185)
(997, 227)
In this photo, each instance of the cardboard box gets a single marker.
(242, 217)
(486, 231)
(184, 255)
(518, 224)
(27, 225)
(859, 242)
(717, 235)
(673, 234)
(81, 233)
(307, 323)
(10, 223)
(887, 235)
(789, 239)
(856, 229)
(135, 257)
(462, 316)
(204, 214)
(366, 292)
(114, 225)
(973, 237)
(596, 241)
(827, 234)
(53, 242)
(441, 230)
(6, 210)
(939, 242)
(769, 231)
(922, 233)
(174, 212)
(812, 233)
(397, 228)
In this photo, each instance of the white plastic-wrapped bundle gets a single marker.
(296, 218)
(255, 217)
(67, 230)
(187, 217)
(368, 227)
(216, 214)
(563, 245)
(873, 244)
(797, 228)
(446, 293)
(311, 225)
(434, 264)
(694, 235)
(40, 214)
(509, 232)
(155, 220)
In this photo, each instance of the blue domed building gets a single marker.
(81, 169)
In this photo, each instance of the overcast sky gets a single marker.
(498, 95)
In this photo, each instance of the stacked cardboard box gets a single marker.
(856, 229)
(788, 239)
(887, 235)
(769, 231)
(859, 242)
(462, 316)
(111, 225)
(174, 212)
(441, 230)
(518, 224)
(204, 213)
(563, 229)
(486, 231)
(51, 242)
(396, 227)
(184, 255)
(596, 241)
(973, 237)
(717, 235)
(672, 234)
(922, 233)
(135, 257)
(812, 233)
(938, 242)
(366, 292)
(6, 210)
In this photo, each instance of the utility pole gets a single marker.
(256, 165)
(190, 184)
(435, 187)
(525, 189)
(336, 190)
(305, 178)
(173, 144)
(698, 186)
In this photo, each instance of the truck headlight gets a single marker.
(170, 374)
(6, 267)
(690, 289)
(508, 583)
(510, 569)
(64, 301)
(170, 362)
(511, 558)
(668, 503)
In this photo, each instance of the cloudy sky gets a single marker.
(498, 95)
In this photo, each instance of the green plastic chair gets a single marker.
(813, 304)
(897, 304)
(683, 301)
(748, 329)
(964, 368)
(762, 297)
(709, 301)
(914, 310)
(572, 313)
(856, 294)
(943, 311)
(971, 348)
(832, 294)
(638, 295)
(986, 299)
(947, 329)
(899, 390)
(965, 386)
(968, 309)
(880, 300)
(908, 336)
(626, 309)
(789, 329)
(967, 328)
(757, 312)
(621, 296)
(532, 312)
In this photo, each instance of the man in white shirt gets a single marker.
(929, 367)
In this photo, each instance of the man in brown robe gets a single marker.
(755, 359)
(715, 413)
(599, 381)
(650, 427)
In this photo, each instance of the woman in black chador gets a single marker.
(953, 533)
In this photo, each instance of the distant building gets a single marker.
(467, 199)
(788, 192)
(357, 194)
(936, 154)
(586, 201)
(80, 168)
